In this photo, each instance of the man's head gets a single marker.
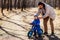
(41, 5)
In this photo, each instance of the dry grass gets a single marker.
(57, 12)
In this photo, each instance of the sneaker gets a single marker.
(52, 33)
(45, 33)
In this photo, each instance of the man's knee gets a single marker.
(45, 21)
(51, 21)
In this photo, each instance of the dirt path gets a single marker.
(14, 25)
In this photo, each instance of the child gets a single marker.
(35, 27)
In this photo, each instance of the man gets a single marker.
(47, 13)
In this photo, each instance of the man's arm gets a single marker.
(38, 13)
(47, 13)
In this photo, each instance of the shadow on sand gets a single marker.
(49, 37)
(9, 33)
(53, 37)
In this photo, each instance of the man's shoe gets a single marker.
(45, 33)
(52, 33)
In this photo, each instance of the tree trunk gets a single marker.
(10, 4)
(18, 4)
(59, 4)
(4, 4)
(45, 1)
(34, 3)
(55, 2)
(7, 5)
(15, 4)
(1, 6)
(23, 6)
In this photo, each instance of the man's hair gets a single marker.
(40, 3)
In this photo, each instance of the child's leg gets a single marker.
(39, 31)
(34, 32)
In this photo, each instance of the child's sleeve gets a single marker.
(35, 23)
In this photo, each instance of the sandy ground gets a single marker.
(14, 23)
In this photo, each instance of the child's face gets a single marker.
(35, 17)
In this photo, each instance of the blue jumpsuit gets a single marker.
(36, 26)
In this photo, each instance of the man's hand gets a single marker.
(40, 17)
